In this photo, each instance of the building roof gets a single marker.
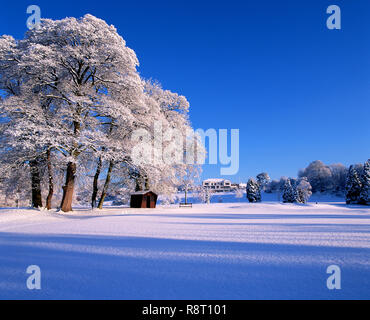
(142, 192)
(216, 180)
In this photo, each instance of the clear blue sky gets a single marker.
(297, 91)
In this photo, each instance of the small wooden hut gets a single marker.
(143, 199)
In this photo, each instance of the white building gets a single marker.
(217, 185)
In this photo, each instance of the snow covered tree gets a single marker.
(70, 90)
(276, 185)
(290, 194)
(339, 174)
(161, 112)
(304, 190)
(188, 179)
(204, 194)
(326, 178)
(15, 184)
(294, 182)
(319, 176)
(83, 68)
(364, 197)
(263, 179)
(174, 147)
(253, 191)
(353, 185)
(22, 123)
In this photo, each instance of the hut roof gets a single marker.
(142, 192)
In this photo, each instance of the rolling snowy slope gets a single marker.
(217, 251)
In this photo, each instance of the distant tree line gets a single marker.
(322, 178)
(294, 190)
(353, 183)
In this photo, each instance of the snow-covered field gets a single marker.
(218, 251)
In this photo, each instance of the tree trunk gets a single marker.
(146, 183)
(95, 183)
(36, 184)
(106, 185)
(68, 188)
(138, 186)
(51, 182)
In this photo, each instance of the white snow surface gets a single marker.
(217, 251)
